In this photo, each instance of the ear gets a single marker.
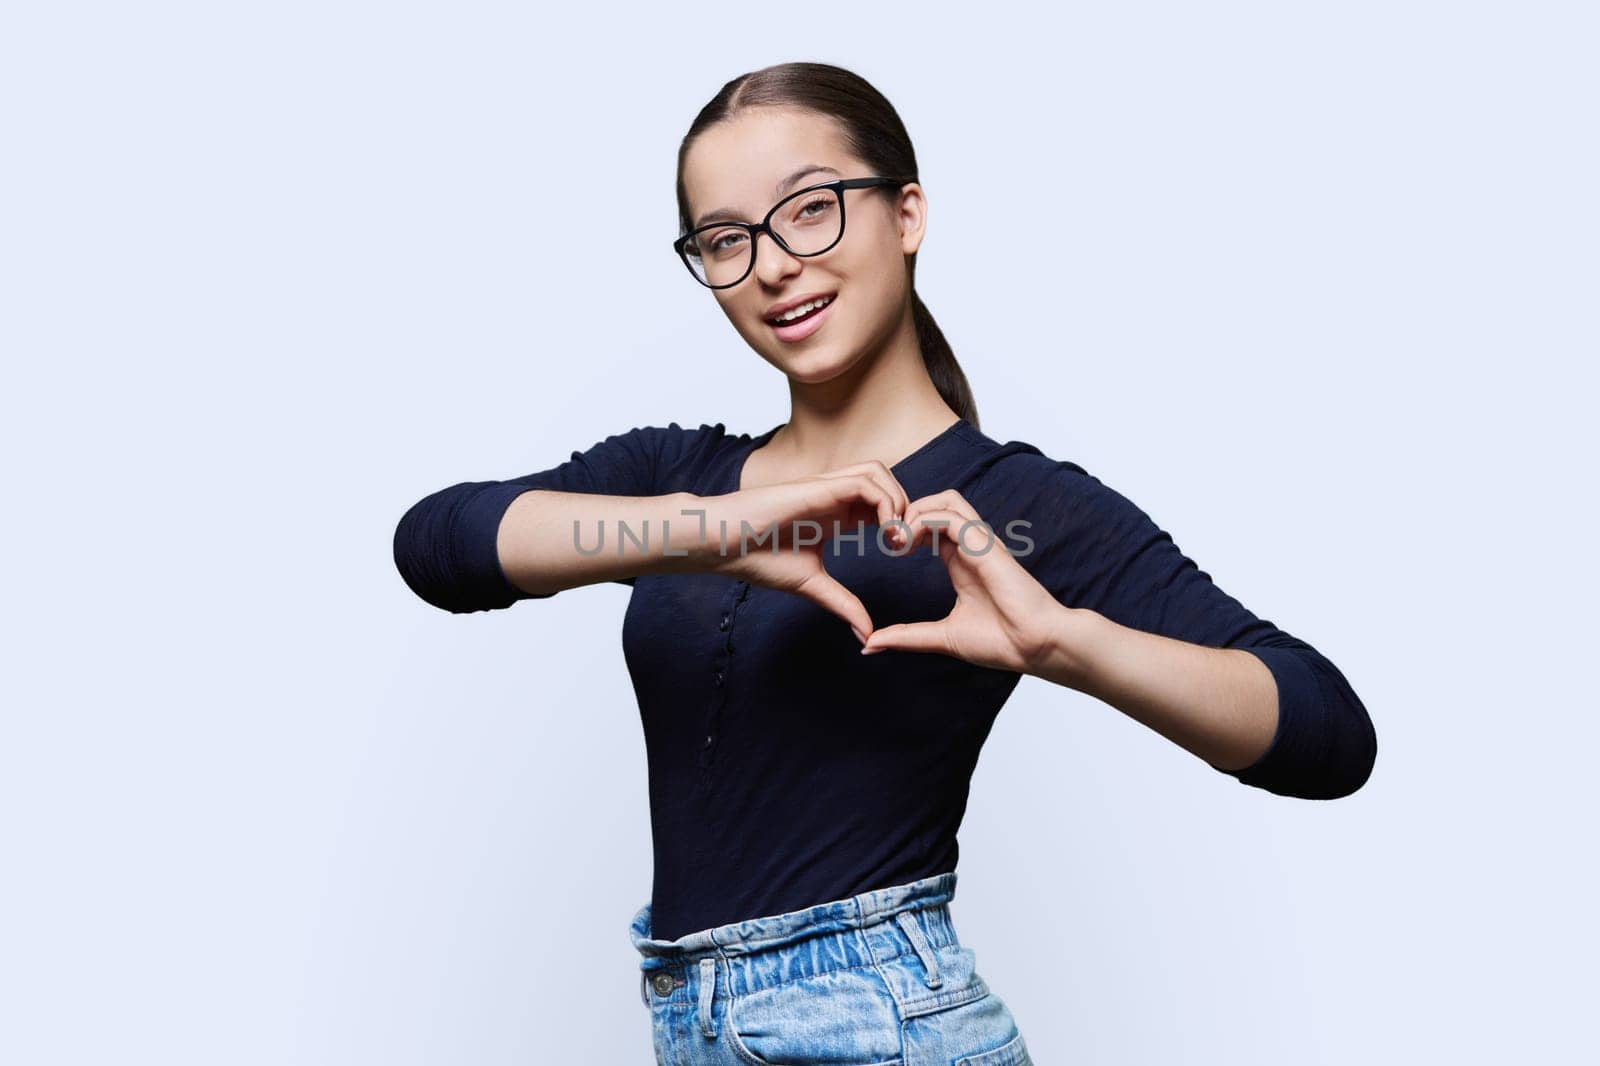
(912, 214)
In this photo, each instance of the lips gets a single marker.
(800, 329)
(815, 310)
(790, 305)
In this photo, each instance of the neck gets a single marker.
(884, 407)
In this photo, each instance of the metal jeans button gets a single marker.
(663, 983)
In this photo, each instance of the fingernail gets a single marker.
(857, 632)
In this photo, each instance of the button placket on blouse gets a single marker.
(720, 665)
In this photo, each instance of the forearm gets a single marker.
(549, 541)
(1219, 703)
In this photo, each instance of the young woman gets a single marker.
(827, 617)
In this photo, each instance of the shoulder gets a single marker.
(705, 437)
(1015, 479)
(676, 441)
(681, 456)
(1014, 470)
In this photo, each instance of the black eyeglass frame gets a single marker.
(680, 245)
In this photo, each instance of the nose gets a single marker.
(774, 263)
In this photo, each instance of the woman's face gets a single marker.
(747, 164)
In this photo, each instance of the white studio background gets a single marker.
(1315, 285)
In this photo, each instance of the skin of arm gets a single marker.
(1219, 703)
(549, 540)
(542, 530)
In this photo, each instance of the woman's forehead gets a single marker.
(744, 161)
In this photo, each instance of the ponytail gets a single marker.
(946, 373)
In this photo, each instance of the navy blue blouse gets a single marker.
(785, 768)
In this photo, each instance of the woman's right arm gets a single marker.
(549, 540)
(484, 545)
(481, 546)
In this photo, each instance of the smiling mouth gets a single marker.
(814, 308)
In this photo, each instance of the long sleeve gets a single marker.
(1098, 550)
(445, 545)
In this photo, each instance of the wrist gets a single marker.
(1063, 646)
(693, 539)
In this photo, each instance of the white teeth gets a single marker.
(795, 312)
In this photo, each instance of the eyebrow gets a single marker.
(725, 213)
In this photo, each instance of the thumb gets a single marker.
(825, 592)
(908, 636)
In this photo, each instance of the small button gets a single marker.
(723, 625)
(708, 741)
(719, 678)
(663, 983)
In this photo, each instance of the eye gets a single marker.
(718, 241)
(814, 208)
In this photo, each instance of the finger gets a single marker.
(963, 518)
(825, 592)
(921, 524)
(951, 527)
(885, 477)
(902, 498)
(948, 500)
(889, 502)
(909, 636)
(879, 475)
(846, 489)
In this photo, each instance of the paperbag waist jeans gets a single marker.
(877, 979)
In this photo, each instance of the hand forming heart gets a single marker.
(1000, 608)
(790, 558)
(996, 621)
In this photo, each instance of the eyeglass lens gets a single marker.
(808, 223)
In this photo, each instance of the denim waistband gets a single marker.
(860, 930)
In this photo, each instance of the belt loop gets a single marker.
(644, 988)
(919, 943)
(708, 988)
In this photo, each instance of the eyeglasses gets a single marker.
(804, 223)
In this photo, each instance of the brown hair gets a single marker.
(873, 133)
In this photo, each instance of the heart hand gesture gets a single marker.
(996, 621)
(797, 519)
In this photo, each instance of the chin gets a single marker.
(815, 367)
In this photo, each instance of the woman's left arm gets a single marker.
(1100, 599)
(1222, 704)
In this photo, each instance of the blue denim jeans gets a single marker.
(878, 979)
